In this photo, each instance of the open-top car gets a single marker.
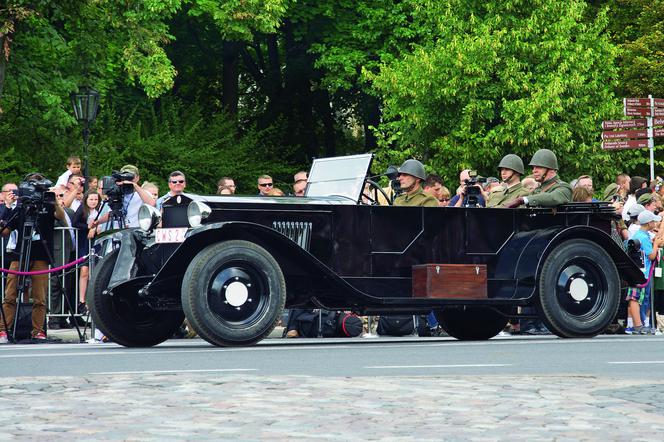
(230, 264)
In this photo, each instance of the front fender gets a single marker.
(293, 259)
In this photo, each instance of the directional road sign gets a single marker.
(624, 144)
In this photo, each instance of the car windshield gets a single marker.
(342, 176)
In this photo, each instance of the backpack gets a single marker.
(402, 325)
(333, 324)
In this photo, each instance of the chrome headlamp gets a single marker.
(148, 217)
(197, 212)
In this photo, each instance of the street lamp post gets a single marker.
(85, 103)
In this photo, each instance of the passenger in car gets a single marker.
(511, 169)
(552, 191)
(411, 175)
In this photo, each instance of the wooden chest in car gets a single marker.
(450, 281)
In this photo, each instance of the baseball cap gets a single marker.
(130, 168)
(645, 198)
(635, 210)
(647, 216)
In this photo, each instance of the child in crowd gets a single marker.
(73, 166)
(649, 248)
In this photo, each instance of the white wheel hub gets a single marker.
(578, 289)
(236, 293)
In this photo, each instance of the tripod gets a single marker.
(29, 230)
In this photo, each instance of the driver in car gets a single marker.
(411, 176)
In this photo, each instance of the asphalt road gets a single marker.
(408, 389)
(602, 356)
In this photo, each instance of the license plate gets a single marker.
(173, 235)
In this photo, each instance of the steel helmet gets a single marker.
(544, 158)
(414, 168)
(512, 162)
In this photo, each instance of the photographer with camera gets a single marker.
(124, 197)
(470, 193)
(10, 195)
(36, 206)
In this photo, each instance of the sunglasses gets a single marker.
(177, 181)
(265, 184)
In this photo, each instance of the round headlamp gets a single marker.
(148, 217)
(197, 212)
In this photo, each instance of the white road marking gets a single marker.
(635, 362)
(215, 370)
(387, 367)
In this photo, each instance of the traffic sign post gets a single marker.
(641, 132)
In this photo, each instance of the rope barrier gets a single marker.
(53, 270)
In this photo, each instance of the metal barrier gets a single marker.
(56, 307)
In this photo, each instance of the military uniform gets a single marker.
(552, 192)
(500, 198)
(417, 199)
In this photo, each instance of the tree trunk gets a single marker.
(230, 76)
(324, 109)
(371, 118)
(4, 53)
(297, 80)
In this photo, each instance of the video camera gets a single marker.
(114, 191)
(471, 191)
(392, 173)
(34, 192)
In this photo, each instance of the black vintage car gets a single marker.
(230, 264)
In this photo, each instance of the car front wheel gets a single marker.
(233, 293)
(119, 316)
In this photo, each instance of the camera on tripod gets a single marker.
(111, 188)
(33, 192)
(471, 190)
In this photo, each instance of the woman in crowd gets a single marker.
(83, 220)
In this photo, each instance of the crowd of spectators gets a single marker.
(634, 198)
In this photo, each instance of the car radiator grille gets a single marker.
(299, 232)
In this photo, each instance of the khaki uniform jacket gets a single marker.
(500, 198)
(418, 199)
(553, 192)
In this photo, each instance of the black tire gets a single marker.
(233, 293)
(469, 323)
(120, 318)
(579, 289)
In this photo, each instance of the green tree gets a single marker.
(502, 77)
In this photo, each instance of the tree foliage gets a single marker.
(245, 87)
(503, 77)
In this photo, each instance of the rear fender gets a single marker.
(627, 269)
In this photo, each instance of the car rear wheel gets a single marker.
(579, 289)
(119, 316)
(469, 323)
(233, 293)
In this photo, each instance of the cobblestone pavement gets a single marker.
(231, 406)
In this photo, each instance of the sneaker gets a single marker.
(3, 338)
(82, 309)
(41, 336)
(629, 330)
(638, 330)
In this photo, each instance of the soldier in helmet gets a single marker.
(511, 169)
(552, 191)
(411, 175)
